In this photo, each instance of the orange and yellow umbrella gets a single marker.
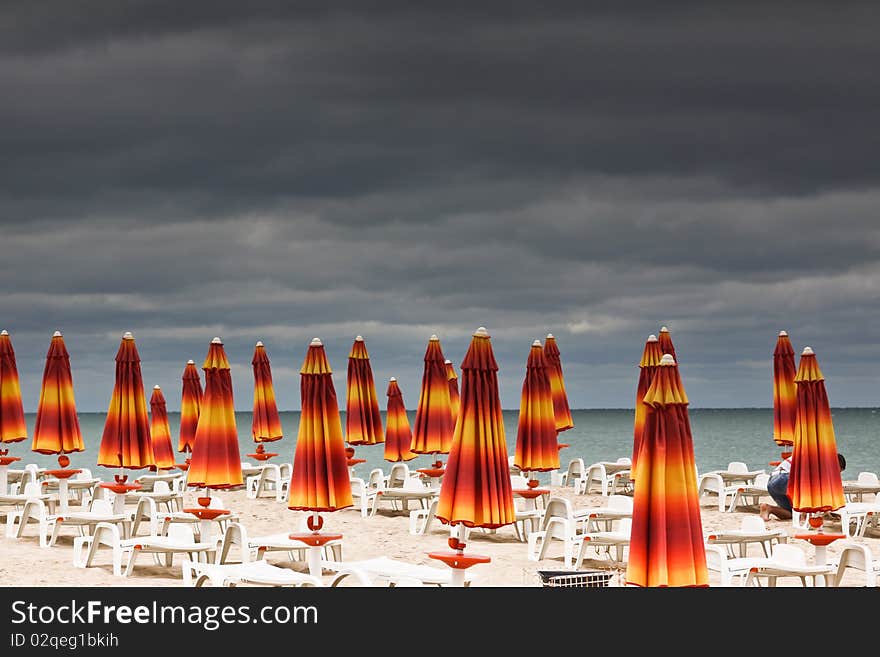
(434, 425)
(666, 543)
(398, 435)
(784, 391)
(56, 429)
(647, 367)
(814, 484)
(476, 490)
(454, 397)
(12, 425)
(557, 385)
(320, 480)
(160, 431)
(126, 442)
(216, 460)
(536, 446)
(266, 425)
(666, 346)
(363, 421)
(190, 405)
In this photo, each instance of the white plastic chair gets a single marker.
(752, 529)
(365, 493)
(599, 474)
(857, 556)
(559, 524)
(790, 561)
(748, 494)
(574, 474)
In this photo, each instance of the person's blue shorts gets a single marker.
(777, 486)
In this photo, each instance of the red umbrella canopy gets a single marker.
(320, 480)
(476, 489)
(666, 542)
(557, 384)
(814, 483)
(784, 391)
(363, 421)
(398, 435)
(647, 367)
(666, 345)
(266, 425)
(126, 440)
(160, 431)
(454, 397)
(56, 429)
(434, 424)
(536, 445)
(216, 460)
(12, 425)
(190, 406)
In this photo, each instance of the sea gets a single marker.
(720, 436)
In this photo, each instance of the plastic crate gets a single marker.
(575, 578)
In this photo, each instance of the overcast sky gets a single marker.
(263, 172)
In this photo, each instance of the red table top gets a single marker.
(432, 472)
(262, 456)
(62, 474)
(315, 539)
(203, 513)
(352, 462)
(530, 493)
(120, 488)
(458, 559)
(6, 460)
(820, 538)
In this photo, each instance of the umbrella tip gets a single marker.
(663, 329)
(4, 332)
(550, 336)
(190, 362)
(56, 334)
(216, 340)
(808, 351)
(127, 336)
(157, 387)
(393, 378)
(259, 343)
(652, 338)
(482, 332)
(447, 362)
(434, 336)
(536, 343)
(316, 342)
(783, 334)
(359, 338)
(667, 360)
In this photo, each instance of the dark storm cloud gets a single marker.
(277, 171)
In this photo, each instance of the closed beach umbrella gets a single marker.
(126, 442)
(454, 397)
(363, 421)
(536, 445)
(476, 490)
(814, 484)
(647, 367)
(666, 543)
(12, 425)
(56, 429)
(160, 431)
(190, 404)
(398, 435)
(434, 425)
(557, 384)
(266, 425)
(784, 391)
(216, 460)
(320, 480)
(666, 346)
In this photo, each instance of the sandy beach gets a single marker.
(24, 563)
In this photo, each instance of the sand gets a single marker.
(24, 563)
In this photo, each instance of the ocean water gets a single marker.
(720, 436)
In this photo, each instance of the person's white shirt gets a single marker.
(784, 466)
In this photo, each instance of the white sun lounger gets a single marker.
(196, 573)
(383, 571)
